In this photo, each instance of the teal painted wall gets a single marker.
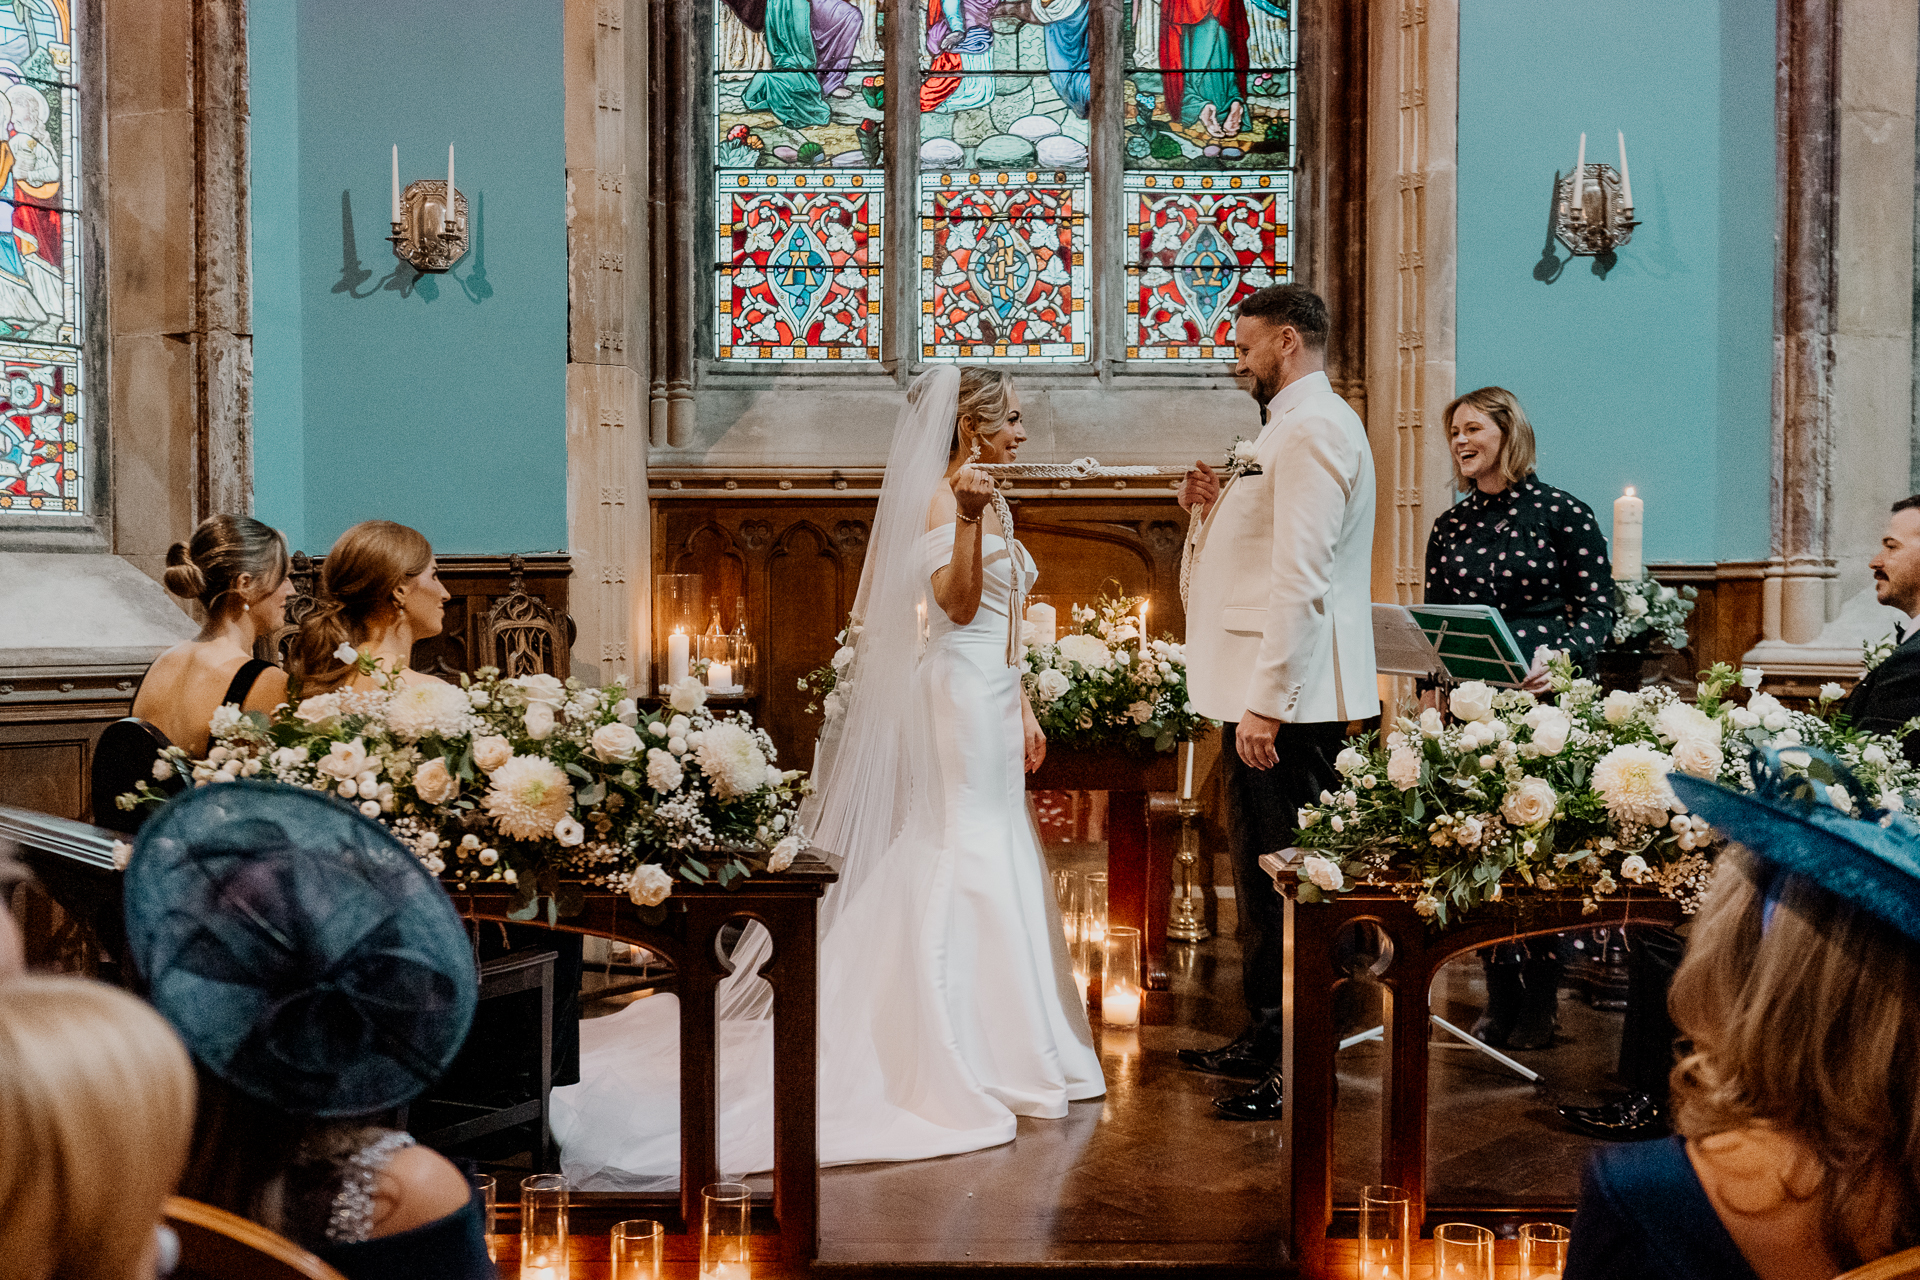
(1658, 375)
(279, 447)
(438, 401)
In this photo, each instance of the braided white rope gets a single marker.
(1079, 469)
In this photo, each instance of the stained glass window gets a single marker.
(799, 100)
(1004, 147)
(41, 458)
(1208, 107)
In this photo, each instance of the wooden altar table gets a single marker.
(1139, 882)
(1413, 955)
(74, 862)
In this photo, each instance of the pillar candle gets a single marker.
(677, 656)
(396, 182)
(719, 676)
(1046, 623)
(1629, 514)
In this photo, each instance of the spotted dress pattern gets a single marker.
(1537, 555)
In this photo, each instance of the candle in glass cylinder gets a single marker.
(1120, 1006)
(1046, 623)
(1629, 514)
(677, 656)
(719, 677)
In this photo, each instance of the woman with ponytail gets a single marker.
(235, 569)
(379, 593)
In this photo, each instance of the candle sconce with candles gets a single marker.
(1593, 205)
(429, 220)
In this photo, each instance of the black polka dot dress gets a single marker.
(1536, 554)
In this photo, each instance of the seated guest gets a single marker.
(1889, 695)
(379, 593)
(96, 1109)
(1800, 1000)
(1537, 555)
(13, 958)
(321, 978)
(236, 569)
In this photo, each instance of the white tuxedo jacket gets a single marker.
(1280, 593)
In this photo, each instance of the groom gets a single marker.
(1279, 634)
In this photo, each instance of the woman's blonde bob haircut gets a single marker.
(1809, 1025)
(96, 1112)
(1516, 433)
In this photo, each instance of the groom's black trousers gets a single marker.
(1263, 808)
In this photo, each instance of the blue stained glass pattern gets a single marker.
(1198, 243)
(799, 266)
(1003, 272)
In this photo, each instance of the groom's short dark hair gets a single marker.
(1291, 304)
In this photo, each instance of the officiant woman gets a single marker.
(1537, 555)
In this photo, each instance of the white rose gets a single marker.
(832, 706)
(1777, 722)
(1245, 451)
(344, 759)
(490, 752)
(1430, 723)
(1636, 607)
(627, 712)
(1742, 718)
(163, 769)
(1874, 754)
(1140, 712)
(615, 743)
(1550, 733)
(1750, 677)
(569, 832)
(225, 719)
(1682, 720)
(542, 688)
(1324, 873)
(1468, 831)
(1349, 762)
(1699, 757)
(346, 653)
(478, 699)
(1471, 701)
(1089, 651)
(318, 713)
(1530, 804)
(1634, 867)
(539, 721)
(649, 886)
(688, 695)
(434, 782)
(1051, 685)
(1831, 692)
(843, 657)
(784, 853)
(1619, 706)
(1403, 768)
(663, 770)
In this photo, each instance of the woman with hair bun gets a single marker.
(235, 569)
(379, 594)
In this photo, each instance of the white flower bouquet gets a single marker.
(529, 781)
(1570, 795)
(1107, 685)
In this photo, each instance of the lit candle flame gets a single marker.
(1630, 491)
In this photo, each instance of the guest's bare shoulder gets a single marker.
(418, 1186)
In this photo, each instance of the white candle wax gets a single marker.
(1186, 789)
(1120, 1006)
(1626, 182)
(1580, 180)
(677, 656)
(1046, 623)
(719, 676)
(449, 182)
(725, 1271)
(396, 182)
(1629, 514)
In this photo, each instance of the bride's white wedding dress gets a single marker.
(947, 1001)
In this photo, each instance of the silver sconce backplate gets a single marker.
(1603, 222)
(422, 236)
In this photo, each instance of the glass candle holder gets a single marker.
(636, 1249)
(1120, 985)
(1386, 1233)
(485, 1191)
(723, 1231)
(543, 1227)
(1543, 1250)
(1093, 920)
(1462, 1251)
(677, 623)
(1066, 893)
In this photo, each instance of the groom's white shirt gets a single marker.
(1280, 598)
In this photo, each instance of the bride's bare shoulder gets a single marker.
(942, 509)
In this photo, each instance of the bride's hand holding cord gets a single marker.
(956, 588)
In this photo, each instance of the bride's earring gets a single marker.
(974, 454)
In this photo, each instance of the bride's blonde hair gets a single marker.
(983, 405)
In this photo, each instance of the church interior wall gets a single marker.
(1657, 374)
(478, 462)
(279, 445)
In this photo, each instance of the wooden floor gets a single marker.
(1148, 1179)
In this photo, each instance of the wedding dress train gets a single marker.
(947, 1001)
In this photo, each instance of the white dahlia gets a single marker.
(1632, 779)
(528, 796)
(729, 756)
(1089, 651)
(427, 709)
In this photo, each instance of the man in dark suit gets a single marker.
(1889, 695)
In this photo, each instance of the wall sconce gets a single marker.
(429, 220)
(1593, 205)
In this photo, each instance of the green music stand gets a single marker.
(1448, 644)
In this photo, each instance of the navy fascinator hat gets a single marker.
(1820, 824)
(304, 956)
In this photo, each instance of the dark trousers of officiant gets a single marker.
(1263, 812)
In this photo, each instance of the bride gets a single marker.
(947, 1002)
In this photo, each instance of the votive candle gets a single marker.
(719, 677)
(1629, 516)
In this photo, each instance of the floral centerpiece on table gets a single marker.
(529, 781)
(1107, 685)
(1570, 794)
(1643, 605)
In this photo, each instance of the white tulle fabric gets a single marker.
(947, 1003)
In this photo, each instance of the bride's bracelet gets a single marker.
(960, 519)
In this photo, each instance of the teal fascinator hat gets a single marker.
(1817, 822)
(304, 956)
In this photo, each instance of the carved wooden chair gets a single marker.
(273, 647)
(217, 1245)
(520, 635)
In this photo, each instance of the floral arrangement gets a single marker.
(1569, 794)
(1106, 684)
(820, 683)
(1240, 459)
(528, 781)
(1642, 605)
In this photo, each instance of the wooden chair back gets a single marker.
(218, 1245)
(273, 646)
(122, 759)
(520, 635)
(1904, 1265)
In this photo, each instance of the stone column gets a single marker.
(610, 293)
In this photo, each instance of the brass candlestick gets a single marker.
(1186, 914)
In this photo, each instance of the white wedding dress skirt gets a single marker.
(947, 1001)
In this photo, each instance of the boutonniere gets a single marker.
(1875, 652)
(1240, 459)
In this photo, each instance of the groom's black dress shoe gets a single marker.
(1262, 1102)
(1237, 1060)
(1633, 1118)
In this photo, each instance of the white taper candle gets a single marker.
(396, 183)
(1626, 182)
(1580, 180)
